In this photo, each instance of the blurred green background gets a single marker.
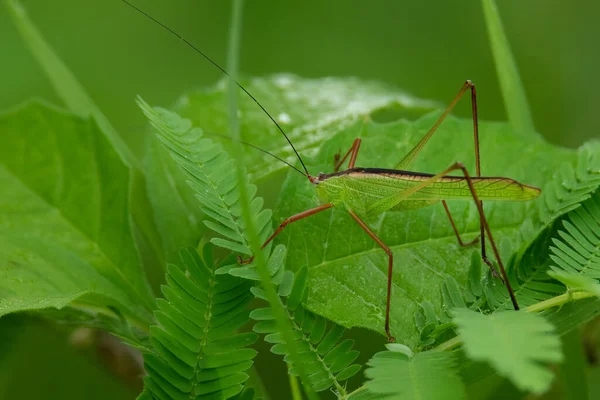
(427, 48)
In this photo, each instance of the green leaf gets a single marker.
(309, 110)
(176, 211)
(399, 374)
(326, 361)
(78, 101)
(64, 224)
(574, 256)
(211, 177)
(200, 353)
(518, 345)
(577, 282)
(348, 270)
(570, 203)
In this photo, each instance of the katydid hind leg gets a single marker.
(352, 152)
(484, 227)
(390, 255)
(410, 157)
(455, 229)
(391, 201)
(286, 222)
(407, 161)
(489, 263)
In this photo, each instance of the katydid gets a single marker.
(367, 192)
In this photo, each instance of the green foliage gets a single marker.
(327, 360)
(196, 350)
(401, 374)
(212, 177)
(78, 101)
(76, 233)
(572, 185)
(578, 250)
(348, 269)
(516, 344)
(65, 232)
(309, 110)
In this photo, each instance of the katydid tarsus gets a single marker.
(367, 192)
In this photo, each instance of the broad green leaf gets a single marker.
(64, 224)
(400, 375)
(348, 270)
(518, 345)
(309, 110)
(176, 211)
(78, 101)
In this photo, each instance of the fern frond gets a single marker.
(401, 374)
(528, 267)
(572, 186)
(326, 360)
(517, 344)
(577, 249)
(196, 352)
(211, 175)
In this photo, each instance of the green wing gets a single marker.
(448, 188)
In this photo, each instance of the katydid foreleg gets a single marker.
(390, 255)
(354, 151)
(286, 222)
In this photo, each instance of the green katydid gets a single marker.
(367, 192)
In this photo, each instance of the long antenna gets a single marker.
(254, 147)
(197, 50)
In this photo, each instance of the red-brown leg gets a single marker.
(353, 150)
(472, 242)
(482, 219)
(285, 223)
(468, 85)
(471, 85)
(460, 241)
(390, 267)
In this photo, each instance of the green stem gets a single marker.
(513, 93)
(295, 388)
(538, 307)
(360, 389)
(252, 233)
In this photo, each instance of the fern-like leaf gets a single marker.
(577, 249)
(563, 196)
(326, 360)
(400, 374)
(212, 177)
(516, 344)
(196, 352)
(571, 186)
